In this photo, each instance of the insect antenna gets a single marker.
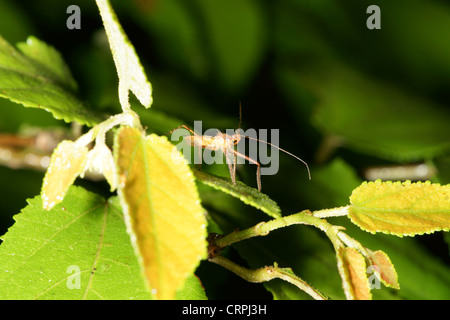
(240, 114)
(293, 155)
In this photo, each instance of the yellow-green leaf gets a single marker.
(385, 269)
(401, 208)
(130, 71)
(352, 268)
(162, 208)
(67, 162)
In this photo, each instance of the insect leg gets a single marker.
(293, 155)
(258, 169)
(231, 162)
(199, 165)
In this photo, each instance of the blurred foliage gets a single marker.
(309, 68)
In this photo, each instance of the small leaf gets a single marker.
(386, 273)
(352, 268)
(67, 162)
(78, 250)
(131, 74)
(166, 222)
(100, 161)
(241, 191)
(401, 208)
(37, 77)
(49, 61)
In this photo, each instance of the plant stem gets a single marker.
(334, 212)
(352, 243)
(98, 132)
(266, 274)
(261, 229)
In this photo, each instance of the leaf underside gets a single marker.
(67, 162)
(131, 73)
(352, 268)
(44, 252)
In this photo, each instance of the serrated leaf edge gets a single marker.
(385, 231)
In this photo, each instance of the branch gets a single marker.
(266, 274)
(264, 228)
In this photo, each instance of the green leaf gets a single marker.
(67, 162)
(241, 191)
(131, 73)
(37, 77)
(49, 61)
(44, 252)
(401, 208)
(166, 222)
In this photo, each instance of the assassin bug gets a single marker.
(226, 143)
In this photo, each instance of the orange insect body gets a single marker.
(220, 141)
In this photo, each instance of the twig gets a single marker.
(266, 274)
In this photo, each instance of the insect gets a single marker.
(227, 143)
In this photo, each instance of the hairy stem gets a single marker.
(334, 212)
(261, 229)
(98, 132)
(266, 274)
